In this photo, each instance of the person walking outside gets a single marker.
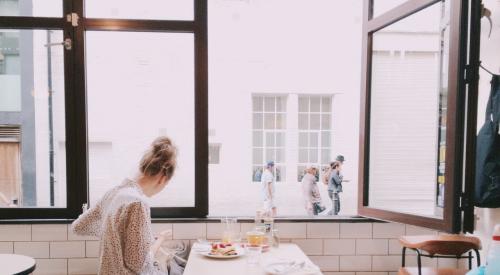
(310, 191)
(335, 186)
(268, 188)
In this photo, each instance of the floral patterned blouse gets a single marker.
(122, 221)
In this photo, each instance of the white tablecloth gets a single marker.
(198, 264)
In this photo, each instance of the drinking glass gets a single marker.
(253, 254)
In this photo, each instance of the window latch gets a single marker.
(73, 18)
(67, 43)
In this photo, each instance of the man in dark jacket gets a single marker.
(335, 185)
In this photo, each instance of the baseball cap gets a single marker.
(270, 163)
(340, 158)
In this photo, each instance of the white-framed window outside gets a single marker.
(315, 133)
(268, 135)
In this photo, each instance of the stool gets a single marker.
(439, 246)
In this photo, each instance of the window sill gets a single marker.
(338, 219)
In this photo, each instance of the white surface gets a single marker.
(198, 264)
(13, 264)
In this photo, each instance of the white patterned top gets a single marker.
(122, 221)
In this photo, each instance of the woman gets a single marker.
(312, 197)
(122, 219)
(335, 187)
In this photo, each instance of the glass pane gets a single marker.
(326, 105)
(146, 9)
(258, 140)
(325, 122)
(313, 139)
(270, 155)
(32, 119)
(138, 81)
(325, 156)
(280, 104)
(41, 8)
(258, 104)
(303, 121)
(303, 140)
(270, 139)
(258, 121)
(381, 6)
(269, 121)
(258, 156)
(314, 121)
(280, 121)
(280, 173)
(257, 173)
(325, 139)
(280, 139)
(407, 95)
(303, 156)
(313, 155)
(280, 155)
(304, 104)
(315, 104)
(301, 170)
(269, 104)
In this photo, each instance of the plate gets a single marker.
(239, 252)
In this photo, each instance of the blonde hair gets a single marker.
(161, 158)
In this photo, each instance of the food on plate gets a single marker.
(223, 249)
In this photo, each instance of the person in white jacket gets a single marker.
(122, 219)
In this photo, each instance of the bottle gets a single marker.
(493, 259)
(259, 222)
(268, 228)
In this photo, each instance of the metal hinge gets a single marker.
(73, 18)
(464, 202)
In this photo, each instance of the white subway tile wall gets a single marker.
(337, 248)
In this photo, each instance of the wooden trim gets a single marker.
(407, 8)
(138, 25)
(472, 101)
(26, 22)
(451, 221)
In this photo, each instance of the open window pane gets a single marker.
(145, 9)
(145, 90)
(32, 119)
(381, 6)
(406, 100)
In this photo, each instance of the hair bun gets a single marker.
(160, 158)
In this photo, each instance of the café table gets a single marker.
(198, 264)
(14, 264)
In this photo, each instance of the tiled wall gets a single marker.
(338, 248)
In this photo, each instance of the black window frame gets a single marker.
(76, 104)
(458, 209)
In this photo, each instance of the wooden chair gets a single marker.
(439, 246)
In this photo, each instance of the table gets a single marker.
(16, 264)
(198, 264)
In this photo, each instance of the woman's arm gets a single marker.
(89, 223)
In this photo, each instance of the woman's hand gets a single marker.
(165, 234)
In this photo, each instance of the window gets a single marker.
(269, 125)
(412, 124)
(98, 111)
(315, 133)
(32, 100)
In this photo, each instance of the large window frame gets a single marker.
(76, 103)
(457, 213)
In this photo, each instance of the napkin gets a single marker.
(282, 267)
